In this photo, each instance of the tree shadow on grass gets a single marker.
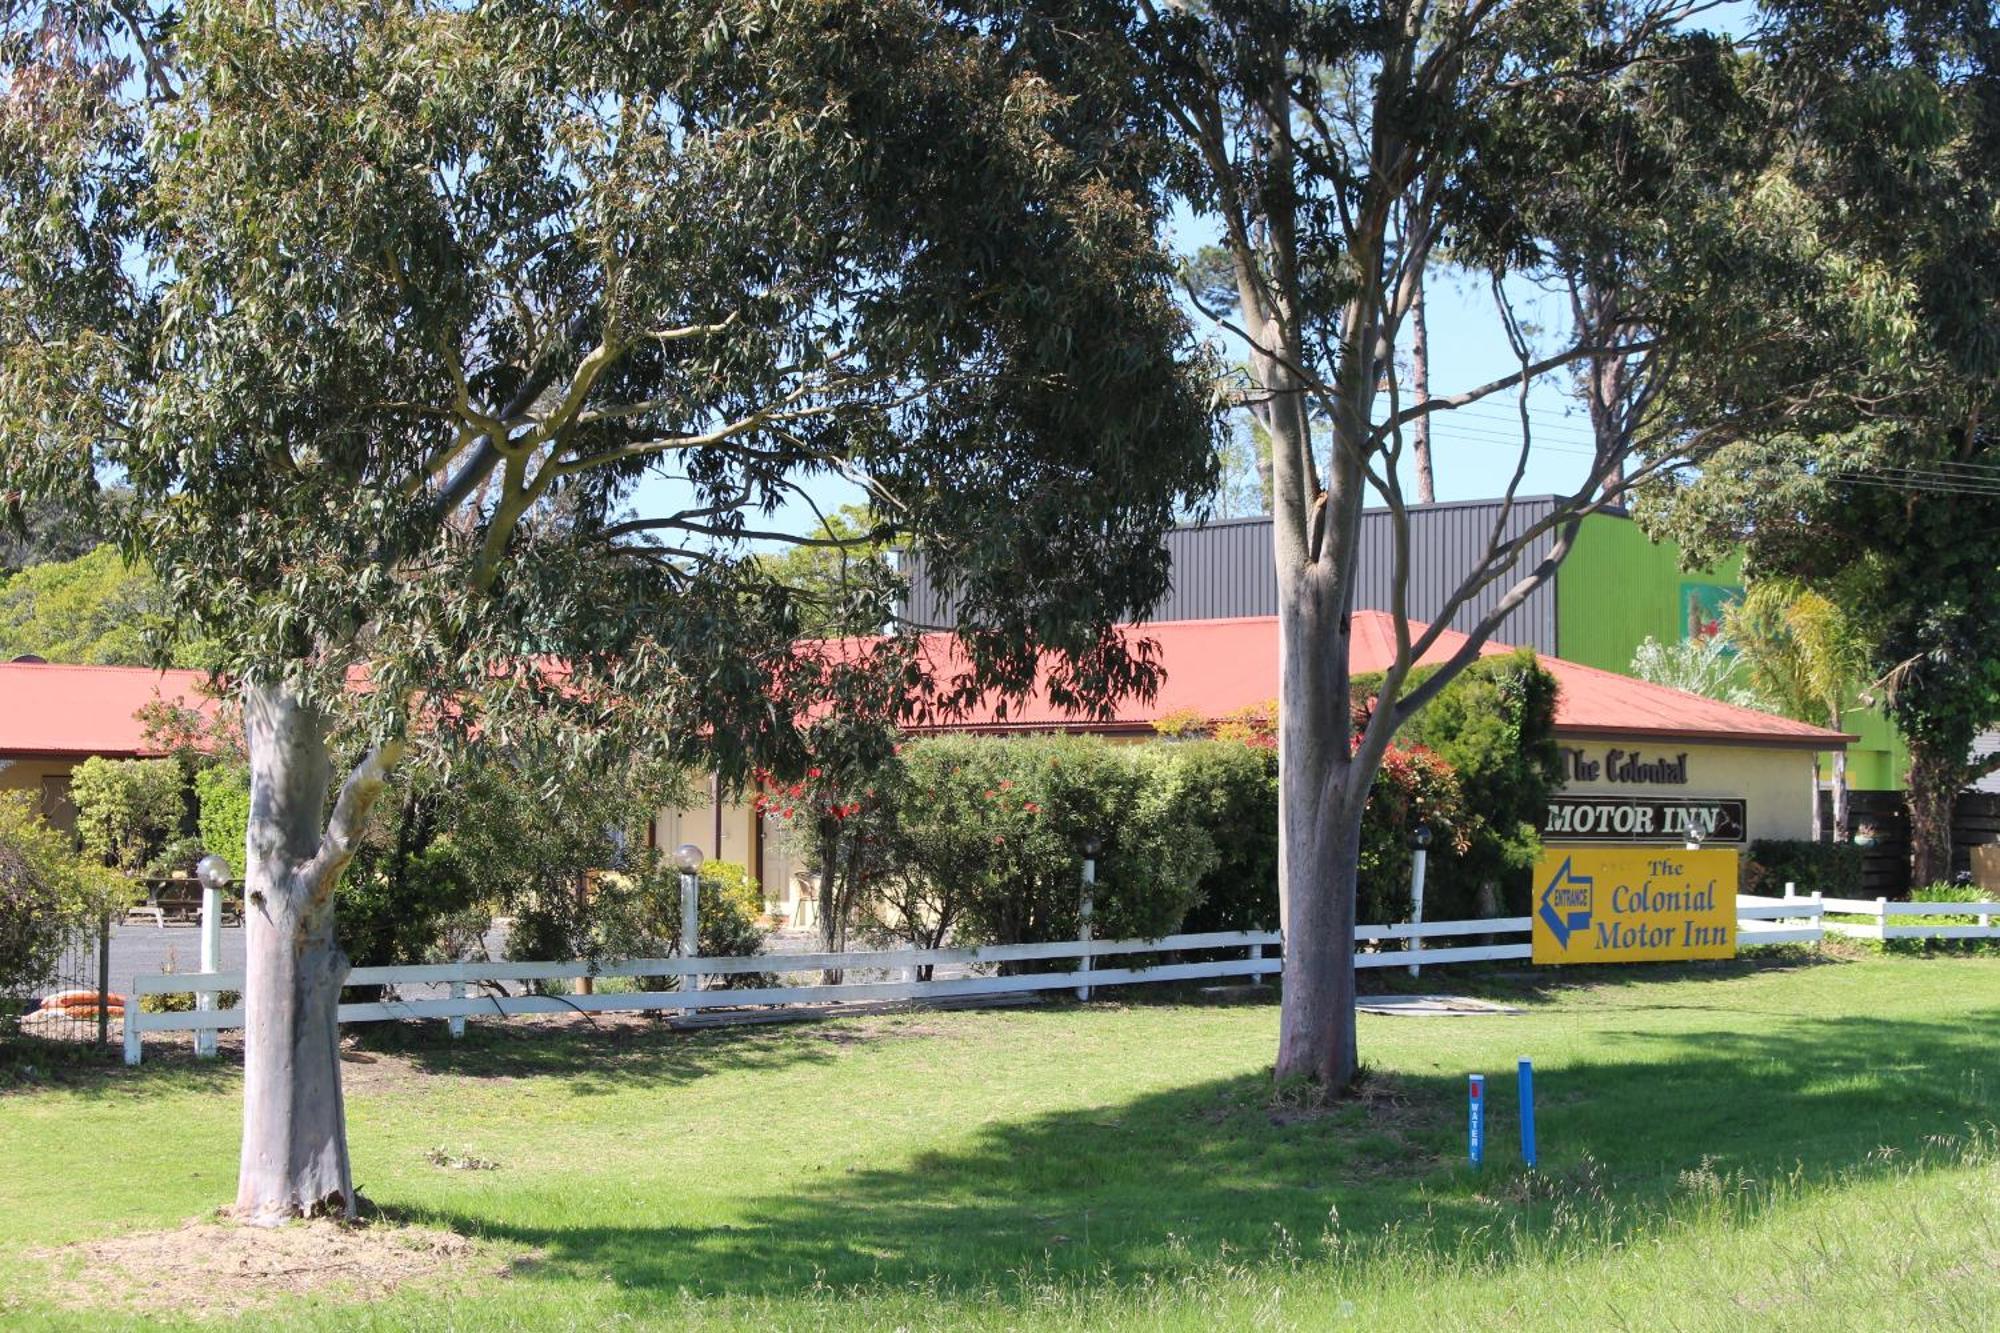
(1178, 1178)
(593, 1057)
(30, 1066)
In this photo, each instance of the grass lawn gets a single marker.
(1735, 1146)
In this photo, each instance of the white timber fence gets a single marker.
(1911, 921)
(478, 989)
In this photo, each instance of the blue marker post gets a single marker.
(1476, 1118)
(1528, 1112)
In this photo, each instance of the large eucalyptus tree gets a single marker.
(1337, 148)
(385, 310)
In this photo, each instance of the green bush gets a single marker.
(1829, 868)
(128, 811)
(1229, 788)
(1230, 791)
(1495, 726)
(222, 794)
(48, 897)
(996, 825)
(1412, 787)
(637, 914)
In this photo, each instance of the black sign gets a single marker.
(1643, 819)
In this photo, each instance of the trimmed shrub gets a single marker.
(1230, 790)
(998, 824)
(128, 811)
(1830, 868)
(1413, 787)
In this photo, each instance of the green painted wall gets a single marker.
(1617, 587)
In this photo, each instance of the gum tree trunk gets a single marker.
(294, 1161)
(1319, 854)
(1936, 773)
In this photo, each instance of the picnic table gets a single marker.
(178, 900)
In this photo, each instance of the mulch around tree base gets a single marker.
(206, 1268)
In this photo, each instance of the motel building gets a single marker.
(1644, 764)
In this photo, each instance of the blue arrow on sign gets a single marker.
(1566, 903)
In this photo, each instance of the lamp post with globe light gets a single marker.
(215, 876)
(1420, 851)
(1092, 846)
(688, 859)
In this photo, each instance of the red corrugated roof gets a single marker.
(48, 709)
(1213, 668)
(1217, 667)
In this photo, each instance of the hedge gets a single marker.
(1830, 868)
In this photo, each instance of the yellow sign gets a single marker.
(1639, 905)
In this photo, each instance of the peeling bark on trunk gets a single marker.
(294, 1158)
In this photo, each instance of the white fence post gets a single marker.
(457, 1021)
(211, 950)
(1882, 918)
(1084, 908)
(133, 1053)
(1257, 956)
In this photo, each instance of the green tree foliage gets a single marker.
(385, 313)
(48, 895)
(128, 811)
(39, 530)
(1339, 150)
(94, 609)
(1496, 727)
(1803, 652)
(1892, 172)
(840, 575)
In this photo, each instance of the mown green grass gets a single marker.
(1807, 1145)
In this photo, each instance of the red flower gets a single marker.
(1029, 807)
(812, 772)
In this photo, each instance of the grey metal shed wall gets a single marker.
(1224, 569)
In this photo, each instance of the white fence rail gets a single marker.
(1246, 954)
(1981, 926)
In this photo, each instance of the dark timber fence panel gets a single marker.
(1885, 867)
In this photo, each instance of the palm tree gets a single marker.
(1802, 652)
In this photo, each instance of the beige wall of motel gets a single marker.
(1775, 784)
(48, 779)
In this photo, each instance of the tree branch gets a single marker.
(350, 815)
